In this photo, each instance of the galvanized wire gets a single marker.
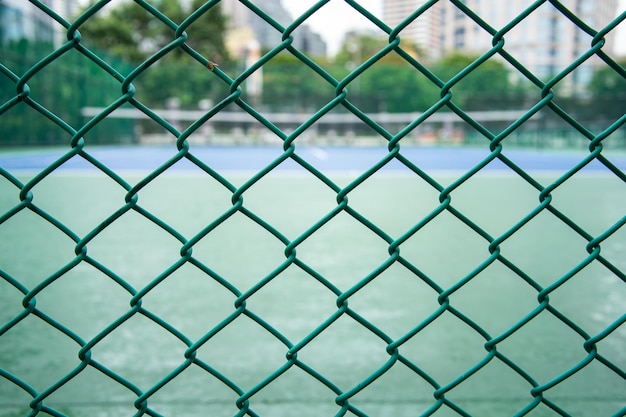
(494, 142)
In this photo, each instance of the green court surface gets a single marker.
(295, 303)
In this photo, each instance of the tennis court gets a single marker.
(321, 313)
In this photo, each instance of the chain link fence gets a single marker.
(393, 351)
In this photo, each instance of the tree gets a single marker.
(131, 33)
(390, 84)
(608, 92)
(290, 85)
(63, 88)
(357, 47)
(607, 80)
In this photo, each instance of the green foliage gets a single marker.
(489, 79)
(393, 88)
(391, 84)
(606, 80)
(290, 85)
(63, 87)
(129, 32)
(606, 100)
(357, 47)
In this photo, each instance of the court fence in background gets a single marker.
(599, 144)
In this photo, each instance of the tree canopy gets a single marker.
(390, 84)
(607, 80)
(131, 32)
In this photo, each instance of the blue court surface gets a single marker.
(334, 158)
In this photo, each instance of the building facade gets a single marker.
(21, 19)
(425, 31)
(242, 18)
(545, 42)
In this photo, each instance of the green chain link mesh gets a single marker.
(393, 347)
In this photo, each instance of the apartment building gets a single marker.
(545, 42)
(20, 19)
(241, 17)
(425, 31)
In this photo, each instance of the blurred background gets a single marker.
(338, 38)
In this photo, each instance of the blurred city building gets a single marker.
(243, 18)
(545, 41)
(425, 32)
(20, 19)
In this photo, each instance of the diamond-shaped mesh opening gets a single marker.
(607, 193)
(330, 11)
(602, 388)
(373, 92)
(529, 248)
(479, 199)
(516, 298)
(266, 355)
(188, 209)
(37, 369)
(345, 353)
(88, 209)
(343, 251)
(494, 380)
(294, 318)
(545, 338)
(21, 258)
(275, 204)
(93, 310)
(301, 89)
(148, 357)
(190, 75)
(394, 209)
(547, 19)
(46, 92)
(135, 249)
(446, 340)
(259, 252)
(431, 249)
